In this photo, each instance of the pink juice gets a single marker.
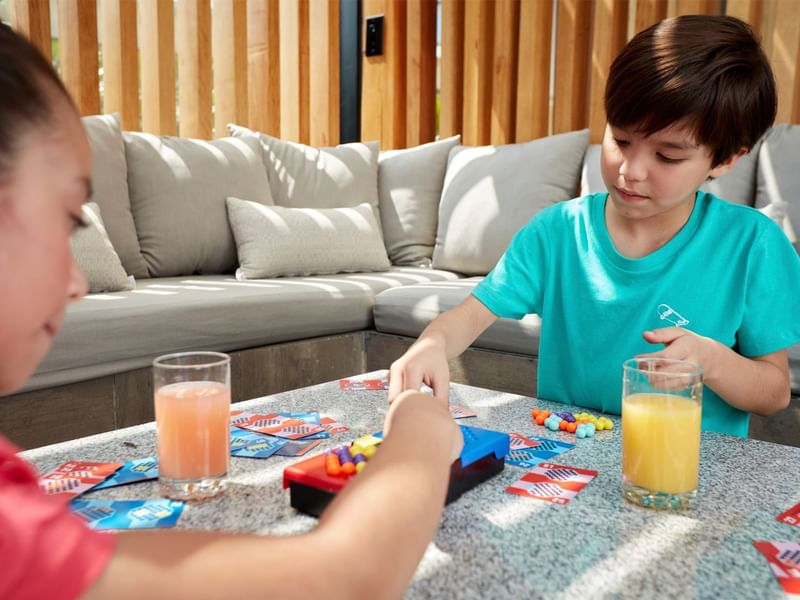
(193, 422)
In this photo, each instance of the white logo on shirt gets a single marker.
(667, 313)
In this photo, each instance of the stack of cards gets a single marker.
(784, 560)
(552, 483)
(278, 424)
(128, 514)
(133, 471)
(76, 477)
(528, 452)
(353, 384)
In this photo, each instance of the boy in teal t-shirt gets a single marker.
(654, 267)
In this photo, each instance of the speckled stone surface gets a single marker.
(496, 545)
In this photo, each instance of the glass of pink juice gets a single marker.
(661, 408)
(192, 403)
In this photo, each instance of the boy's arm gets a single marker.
(367, 544)
(446, 337)
(759, 385)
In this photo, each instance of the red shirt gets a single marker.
(45, 550)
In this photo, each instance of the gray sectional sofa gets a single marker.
(311, 264)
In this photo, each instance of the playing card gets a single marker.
(791, 516)
(460, 412)
(128, 514)
(73, 478)
(278, 425)
(249, 444)
(552, 483)
(132, 471)
(332, 426)
(297, 447)
(784, 560)
(529, 452)
(358, 385)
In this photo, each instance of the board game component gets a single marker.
(314, 482)
(571, 422)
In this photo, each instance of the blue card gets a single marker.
(541, 450)
(128, 514)
(250, 444)
(298, 447)
(132, 471)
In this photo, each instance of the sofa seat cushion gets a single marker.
(111, 333)
(794, 369)
(407, 311)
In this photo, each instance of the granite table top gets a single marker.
(492, 544)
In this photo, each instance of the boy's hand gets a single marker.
(425, 362)
(419, 411)
(682, 344)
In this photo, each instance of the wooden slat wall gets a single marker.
(510, 70)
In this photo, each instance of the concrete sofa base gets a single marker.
(66, 412)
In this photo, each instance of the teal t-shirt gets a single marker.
(729, 274)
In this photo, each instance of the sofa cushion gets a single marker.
(304, 177)
(492, 191)
(407, 311)
(409, 186)
(95, 255)
(779, 179)
(111, 333)
(273, 241)
(110, 189)
(737, 185)
(178, 188)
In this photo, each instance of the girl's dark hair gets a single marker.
(27, 84)
(707, 72)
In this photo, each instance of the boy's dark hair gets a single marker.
(27, 84)
(707, 72)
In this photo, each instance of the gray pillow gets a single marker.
(779, 178)
(95, 255)
(490, 192)
(110, 185)
(304, 177)
(273, 241)
(409, 186)
(737, 185)
(178, 188)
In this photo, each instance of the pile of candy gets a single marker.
(582, 424)
(348, 460)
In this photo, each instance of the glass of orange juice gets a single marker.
(192, 402)
(661, 406)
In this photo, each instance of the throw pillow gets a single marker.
(178, 188)
(778, 181)
(110, 185)
(490, 192)
(409, 186)
(304, 177)
(273, 241)
(95, 255)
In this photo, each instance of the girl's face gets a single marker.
(40, 205)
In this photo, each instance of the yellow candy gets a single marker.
(370, 451)
(360, 466)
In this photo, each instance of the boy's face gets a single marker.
(650, 176)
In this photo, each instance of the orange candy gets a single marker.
(562, 425)
(571, 427)
(540, 419)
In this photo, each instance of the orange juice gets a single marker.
(661, 442)
(193, 421)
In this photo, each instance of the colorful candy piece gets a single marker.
(332, 465)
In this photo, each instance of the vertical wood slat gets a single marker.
(420, 72)
(504, 72)
(77, 23)
(229, 41)
(372, 91)
(750, 11)
(393, 118)
(263, 66)
(610, 30)
(304, 72)
(32, 19)
(696, 7)
(572, 65)
(323, 20)
(649, 12)
(783, 50)
(533, 74)
(193, 45)
(120, 61)
(478, 44)
(157, 48)
(452, 68)
(291, 69)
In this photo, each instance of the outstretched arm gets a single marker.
(367, 544)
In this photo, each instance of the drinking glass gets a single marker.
(192, 404)
(661, 407)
